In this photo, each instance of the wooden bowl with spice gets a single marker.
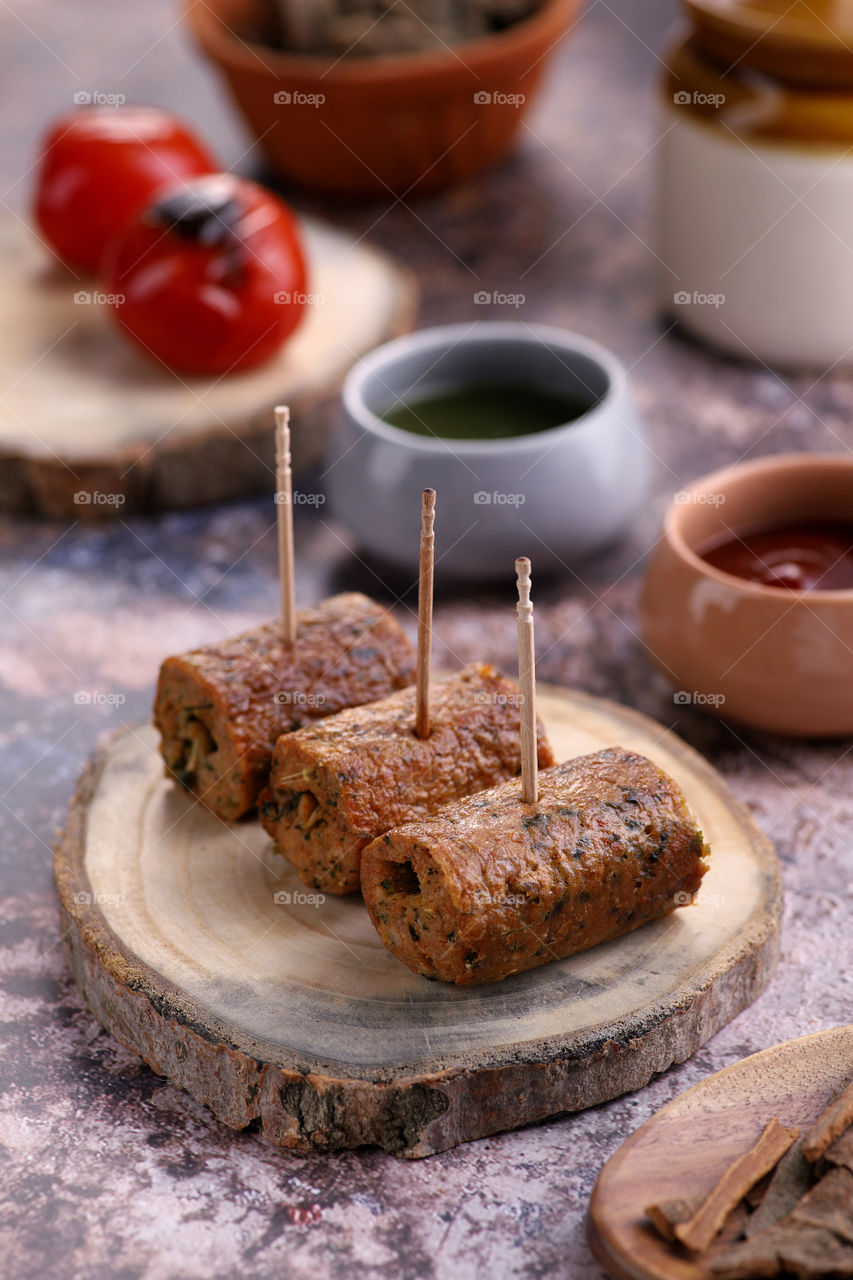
(344, 122)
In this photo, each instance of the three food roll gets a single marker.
(338, 784)
(221, 708)
(490, 886)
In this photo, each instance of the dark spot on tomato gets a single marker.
(204, 213)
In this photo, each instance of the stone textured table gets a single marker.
(107, 1171)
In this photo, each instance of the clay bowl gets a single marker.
(768, 657)
(374, 126)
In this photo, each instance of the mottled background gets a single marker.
(107, 1170)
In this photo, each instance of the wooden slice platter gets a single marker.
(199, 948)
(84, 412)
(683, 1150)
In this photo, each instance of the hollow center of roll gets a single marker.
(197, 745)
(307, 810)
(402, 878)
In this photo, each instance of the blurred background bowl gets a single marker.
(769, 657)
(556, 495)
(408, 122)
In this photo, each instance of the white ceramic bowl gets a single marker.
(747, 265)
(556, 495)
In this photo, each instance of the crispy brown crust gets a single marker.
(490, 886)
(220, 709)
(338, 784)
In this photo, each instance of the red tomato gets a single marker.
(210, 278)
(99, 166)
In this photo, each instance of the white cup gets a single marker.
(556, 495)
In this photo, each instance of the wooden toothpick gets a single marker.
(527, 685)
(284, 497)
(425, 583)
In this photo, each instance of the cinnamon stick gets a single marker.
(829, 1126)
(699, 1231)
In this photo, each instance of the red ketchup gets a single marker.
(801, 557)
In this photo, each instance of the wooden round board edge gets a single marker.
(310, 1106)
(644, 1256)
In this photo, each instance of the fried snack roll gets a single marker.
(490, 886)
(220, 709)
(337, 784)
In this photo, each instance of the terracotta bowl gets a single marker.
(374, 126)
(768, 657)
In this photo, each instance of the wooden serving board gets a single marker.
(198, 947)
(83, 411)
(683, 1150)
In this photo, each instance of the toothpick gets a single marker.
(527, 685)
(427, 562)
(284, 495)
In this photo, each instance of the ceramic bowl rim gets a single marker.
(715, 481)
(745, 23)
(498, 332)
(220, 40)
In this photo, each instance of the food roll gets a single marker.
(489, 886)
(337, 784)
(220, 709)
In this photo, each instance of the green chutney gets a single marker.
(487, 411)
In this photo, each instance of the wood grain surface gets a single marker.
(84, 412)
(199, 947)
(683, 1150)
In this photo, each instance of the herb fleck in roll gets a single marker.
(220, 709)
(337, 784)
(490, 886)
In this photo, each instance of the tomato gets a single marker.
(99, 166)
(209, 278)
